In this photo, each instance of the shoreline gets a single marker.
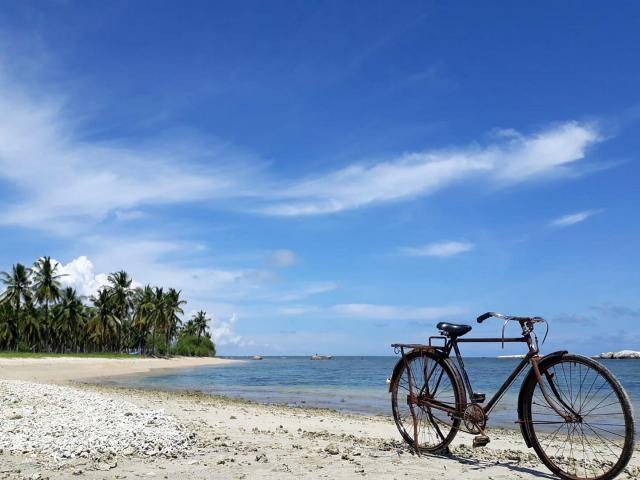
(69, 370)
(65, 428)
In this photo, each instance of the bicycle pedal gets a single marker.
(478, 397)
(480, 441)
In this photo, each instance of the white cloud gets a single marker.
(543, 153)
(128, 215)
(223, 334)
(314, 288)
(394, 312)
(179, 265)
(358, 185)
(80, 274)
(297, 310)
(513, 158)
(283, 258)
(573, 218)
(65, 182)
(438, 249)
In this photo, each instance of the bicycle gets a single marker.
(571, 409)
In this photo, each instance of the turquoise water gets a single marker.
(351, 384)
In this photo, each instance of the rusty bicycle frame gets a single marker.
(451, 344)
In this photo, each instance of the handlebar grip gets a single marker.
(484, 316)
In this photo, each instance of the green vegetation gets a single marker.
(40, 318)
(192, 346)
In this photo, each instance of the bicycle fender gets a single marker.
(531, 377)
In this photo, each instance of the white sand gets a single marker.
(235, 439)
(66, 369)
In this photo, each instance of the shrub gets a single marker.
(192, 346)
(160, 345)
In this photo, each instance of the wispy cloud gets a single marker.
(438, 249)
(64, 181)
(308, 290)
(298, 310)
(510, 159)
(180, 265)
(283, 258)
(395, 312)
(573, 218)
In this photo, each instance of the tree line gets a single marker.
(38, 314)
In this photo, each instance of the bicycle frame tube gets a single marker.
(453, 343)
(530, 358)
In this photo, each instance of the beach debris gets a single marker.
(104, 466)
(332, 449)
(84, 424)
(262, 458)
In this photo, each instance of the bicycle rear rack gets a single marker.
(421, 347)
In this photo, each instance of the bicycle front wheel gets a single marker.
(594, 438)
(432, 379)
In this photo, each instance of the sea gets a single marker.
(350, 384)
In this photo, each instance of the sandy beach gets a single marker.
(54, 426)
(74, 369)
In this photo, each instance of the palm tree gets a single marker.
(200, 323)
(104, 324)
(69, 318)
(7, 333)
(17, 292)
(143, 304)
(121, 295)
(46, 287)
(173, 310)
(31, 326)
(189, 328)
(37, 313)
(157, 314)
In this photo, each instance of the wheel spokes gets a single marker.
(429, 381)
(592, 441)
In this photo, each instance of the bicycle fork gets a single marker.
(568, 417)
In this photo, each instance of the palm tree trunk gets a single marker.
(47, 330)
(18, 323)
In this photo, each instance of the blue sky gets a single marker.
(332, 177)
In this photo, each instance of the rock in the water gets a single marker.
(623, 354)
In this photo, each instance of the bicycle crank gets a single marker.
(474, 418)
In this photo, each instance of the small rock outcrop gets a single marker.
(623, 354)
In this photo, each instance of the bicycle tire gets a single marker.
(431, 438)
(598, 399)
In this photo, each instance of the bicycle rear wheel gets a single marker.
(595, 440)
(432, 378)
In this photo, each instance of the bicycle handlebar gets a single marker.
(485, 316)
(525, 322)
(488, 315)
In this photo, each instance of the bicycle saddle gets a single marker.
(453, 329)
